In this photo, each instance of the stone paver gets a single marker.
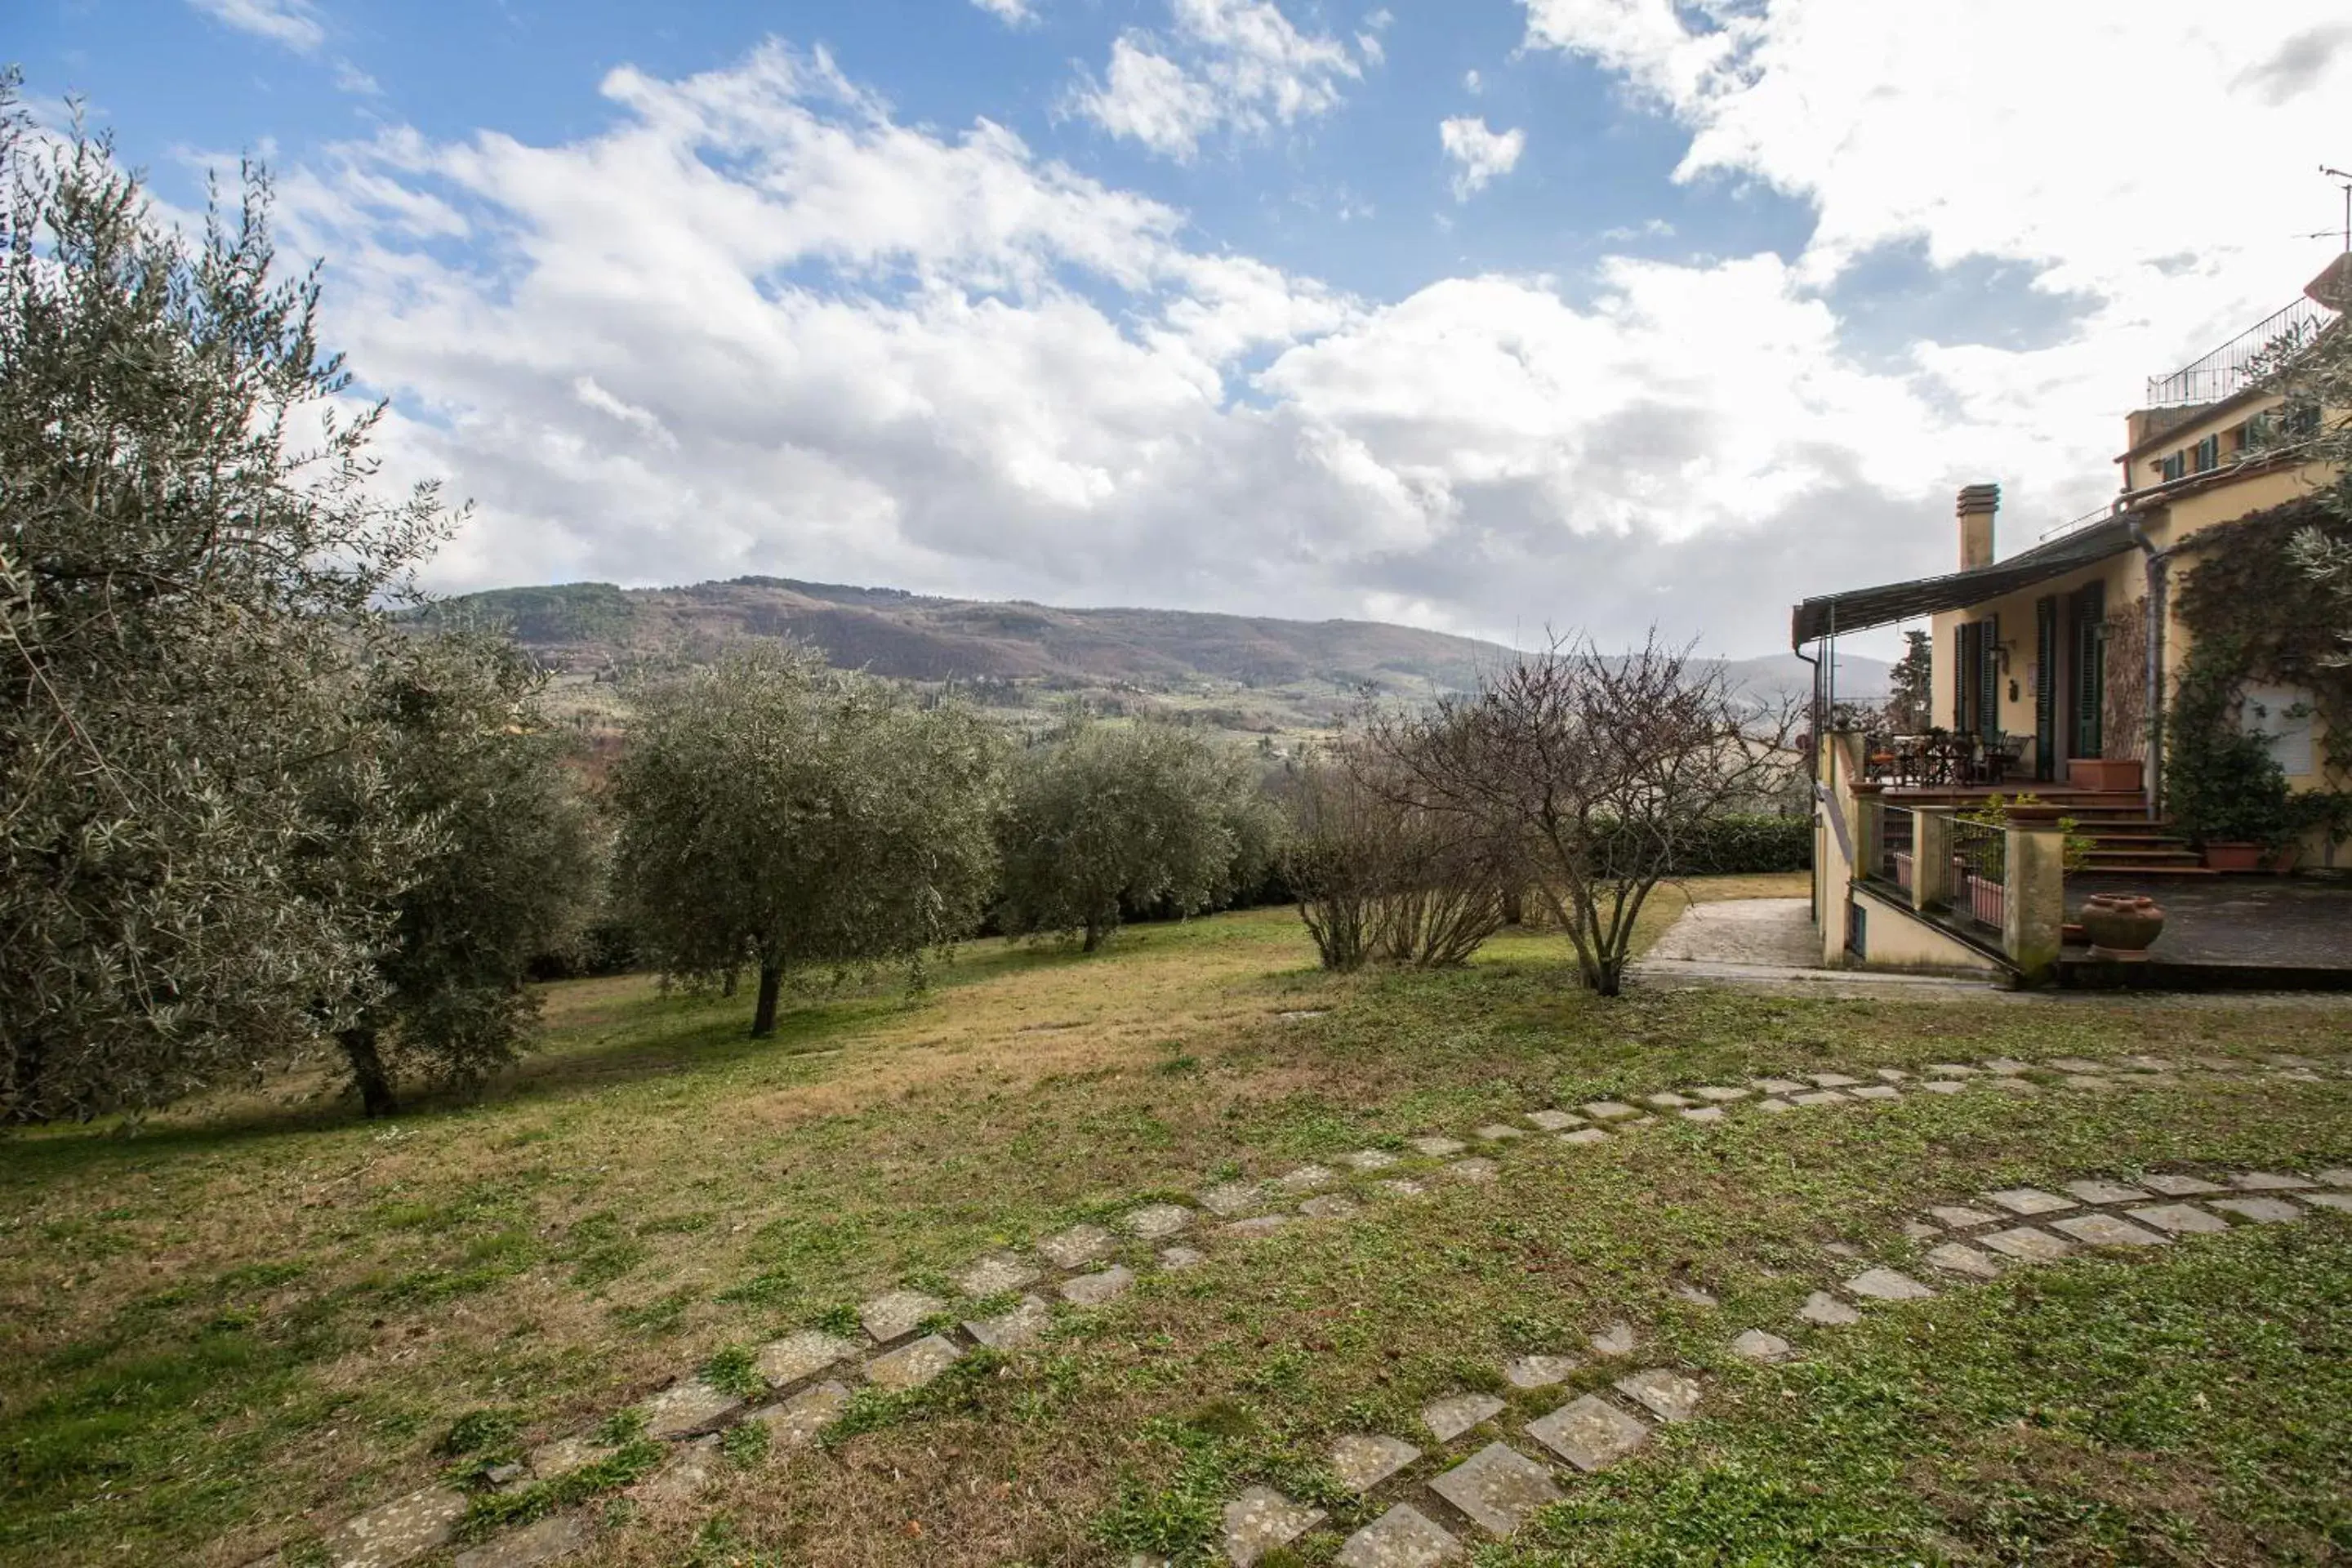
(1819, 1097)
(995, 1274)
(1963, 1216)
(913, 1365)
(1704, 1113)
(1095, 1289)
(2031, 1201)
(1457, 1413)
(803, 1354)
(1473, 1169)
(564, 1456)
(1774, 1105)
(1757, 1345)
(1497, 1132)
(1695, 1295)
(1554, 1121)
(1025, 1324)
(1920, 1230)
(1617, 1339)
(2106, 1193)
(1668, 1394)
(688, 1409)
(393, 1532)
(1832, 1080)
(1610, 1110)
(1780, 1085)
(1369, 1159)
(1951, 1069)
(1722, 1094)
(1229, 1199)
(1941, 1086)
(1878, 1091)
(1173, 1258)
(2088, 1081)
(2027, 1245)
(898, 1314)
(1890, 1075)
(795, 1423)
(2107, 1230)
(1668, 1100)
(2075, 1064)
(2340, 1201)
(2180, 1219)
(1887, 1285)
(1155, 1222)
(1250, 1229)
(1954, 1258)
(1331, 1205)
(2014, 1085)
(1081, 1244)
(1404, 1537)
(683, 1476)
(1403, 1187)
(2179, 1186)
(1589, 1432)
(2263, 1211)
(1261, 1519)
(1436, 1147)
(1538, 1371)
(1585, 1135)
(1498, 1487)
(557, 1536)
(2267, 1181)
(1307, 1178)
(2336, 1178)
(1363, 1460)
(1827, 1310)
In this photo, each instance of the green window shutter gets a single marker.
(1963, 673)
(1989, 677)
(2045, 687)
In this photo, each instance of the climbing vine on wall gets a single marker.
(2254, 614)
(2124, 719)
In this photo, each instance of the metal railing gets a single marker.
(1980, 872)
(2235, 365)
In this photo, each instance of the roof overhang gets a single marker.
(1861, 608)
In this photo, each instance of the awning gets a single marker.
(1861, 608)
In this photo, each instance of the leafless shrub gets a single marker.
(1595, 770)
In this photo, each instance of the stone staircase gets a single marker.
(2123, 836)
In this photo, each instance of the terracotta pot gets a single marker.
(2233, 857)
(2104, 772)
(2071, 934)
(2121, 926)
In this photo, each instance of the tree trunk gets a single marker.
(727, 986)
(1514, 906)
(763, 1016)
(1094, 938)
(368, 1072)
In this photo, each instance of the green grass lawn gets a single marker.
(260, 1314)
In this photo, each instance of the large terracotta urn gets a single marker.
(2122, 926)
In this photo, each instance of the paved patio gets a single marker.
(1771, 942)
(2244, 922)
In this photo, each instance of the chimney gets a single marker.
(1978, 504)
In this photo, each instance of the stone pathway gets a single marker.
(908, 1338)
(1771, 942)
(1432, 1517)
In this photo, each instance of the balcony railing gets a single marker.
(2234, 366)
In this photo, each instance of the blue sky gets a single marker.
(1488, 315)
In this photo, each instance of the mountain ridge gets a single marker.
(1253, 674)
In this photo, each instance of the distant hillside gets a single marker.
(1250, 674)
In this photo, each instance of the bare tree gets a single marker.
(1601, 771)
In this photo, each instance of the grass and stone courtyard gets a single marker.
(1189, 1251)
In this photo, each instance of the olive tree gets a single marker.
(1598, 770)
(1109, 818)
(500, 861)
(192, 558)
(779, 815)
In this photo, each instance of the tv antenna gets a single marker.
(2328, 233)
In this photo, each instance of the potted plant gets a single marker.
(2224, 786)
(2105, 773)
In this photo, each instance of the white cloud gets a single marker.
(293, 23)
(1232, 64)
(1473, 83)
(1012, 12)
(1481, 155)
(759, 324)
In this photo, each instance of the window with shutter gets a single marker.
(1989, 677)
(2045, 688)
